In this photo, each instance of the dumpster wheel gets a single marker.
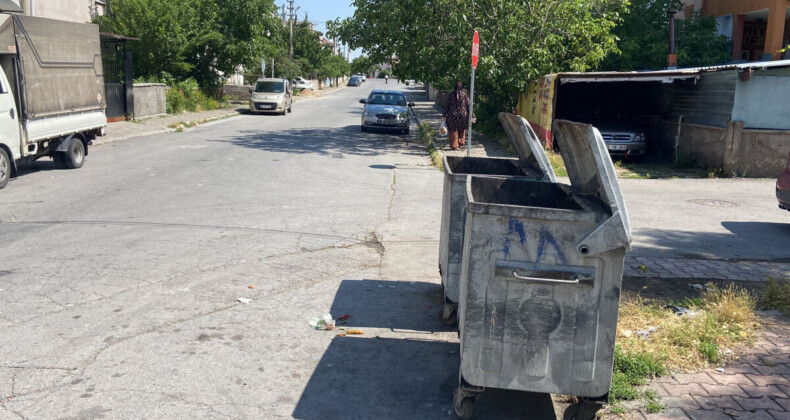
(449, 315)
(463, 404)
(582, 411)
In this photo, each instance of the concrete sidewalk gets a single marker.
(166, 123)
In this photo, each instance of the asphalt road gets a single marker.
(119, 281)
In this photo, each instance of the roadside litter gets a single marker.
(342, 332)
(244, 300)
(701, 287)
(323, 323)
(681, 311)
(646, 333)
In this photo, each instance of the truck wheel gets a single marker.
(75, 156)
(5, 168)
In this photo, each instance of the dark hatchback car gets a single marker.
(354, 81)
(783, 187)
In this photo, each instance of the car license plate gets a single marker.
(617, 147)
(388, 122)
(265, 107)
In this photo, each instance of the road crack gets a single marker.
(392, 196)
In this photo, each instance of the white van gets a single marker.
(271, 96)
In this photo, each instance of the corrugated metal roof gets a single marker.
(663, 76)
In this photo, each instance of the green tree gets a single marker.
(334, 66)
(362, 64)
(199, 39)
(643, 38)
(519, 41)
(308, 49)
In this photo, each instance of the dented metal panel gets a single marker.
(541, 276)
(532, 164)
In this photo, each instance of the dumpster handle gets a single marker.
(574, 281)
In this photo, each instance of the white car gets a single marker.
(302, 83)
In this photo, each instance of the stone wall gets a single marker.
(236, 93)
(149, 99)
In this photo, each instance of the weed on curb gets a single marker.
(426, 136)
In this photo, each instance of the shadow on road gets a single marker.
(746, 240)
(384, 378)
(367, 377)
(335, 142)
(396, 305)
(42, 165)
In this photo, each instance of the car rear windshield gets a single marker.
(386, 99)
(272, 87)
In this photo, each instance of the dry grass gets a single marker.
(557, 163)
(719, 322)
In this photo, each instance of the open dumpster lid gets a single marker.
(528, 147)
(592, 174)
(8, 6)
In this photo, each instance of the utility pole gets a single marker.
(291, 3)
(284, 15)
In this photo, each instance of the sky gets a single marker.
(320, 11)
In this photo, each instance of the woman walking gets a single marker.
(456, 116)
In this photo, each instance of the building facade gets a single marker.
(759, 29)
(80, 11)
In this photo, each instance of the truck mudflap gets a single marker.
(66, 143)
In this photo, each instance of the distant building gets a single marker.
(80, 11)
(758, 28)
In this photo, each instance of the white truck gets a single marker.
(51, 92)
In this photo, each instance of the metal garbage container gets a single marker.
(541, 277)
(532, 164)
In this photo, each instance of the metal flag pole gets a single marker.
(475, 54)
(471, 110)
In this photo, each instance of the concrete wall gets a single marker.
(760, 153)
(236, 93)
(149, 99)
(761, 102)
(703, 143)
(737, 151)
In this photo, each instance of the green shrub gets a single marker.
(187, 96)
